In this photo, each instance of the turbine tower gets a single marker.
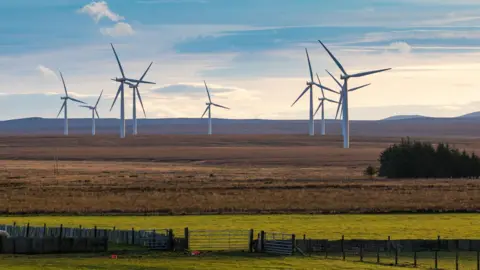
(94, 111)
(120, 91)
(345, 77)
(209, 109)
(65, 107)
(322, 105)
(134, 87)
(341, 97)
(311, 127)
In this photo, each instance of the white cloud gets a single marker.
(99, 10)
(118, 30)
(402, 47)
(46, 72)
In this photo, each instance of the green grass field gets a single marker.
(315, 226)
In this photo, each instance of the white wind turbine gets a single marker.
(134, 87)
(209, 109)
(311, 127)
(94, 111)
(322, 105)
(65, 106)
(341, 97)
(345, 77)
(122, 80)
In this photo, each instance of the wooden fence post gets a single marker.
(478, 260)
(343, 247)
(171, 240)
(187, 238)
(44, 230)
(456, 254)
(133, 236)
(294, 244)
(262, 241)
(95, 231)
(396, 255)
(27, 232)
(415, 259)
(361, 252)
(378, 255)
(61, 231)
(250, 241)
(436, 260)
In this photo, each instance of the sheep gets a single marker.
(4, 234)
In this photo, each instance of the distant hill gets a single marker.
(413, 126)
(403, 117)
(471, 115)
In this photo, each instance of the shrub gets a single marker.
(370, 171)
(411, 159)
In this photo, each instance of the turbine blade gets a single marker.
(333, 77)
(208, 92)
(141, 102)
(64, 85)
(145, 73)
(309, 65)
(208, 107)
(318, 108)
(116, 96)
(76, 100)
(96, 112)
(334, 59)
(61, 109)
(84, 106)
(139, 81)
(98, 100)
(361, 74)
(331, 100)
(301, 95)
(339, 105)
(118, 61)
(360, 87)
(321, 88)
(326, 88)
(220, 106)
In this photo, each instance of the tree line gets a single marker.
(414, 159)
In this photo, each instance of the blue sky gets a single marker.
(251, 53)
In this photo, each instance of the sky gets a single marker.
(251, 53)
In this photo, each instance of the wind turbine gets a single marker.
(345, 77)
(64, 106)
(322, 105)
(134, 87)
(311, 128)
(94, 111)
(209, 109)
(341, 98)
(122, 80)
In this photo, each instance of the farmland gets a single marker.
(224, 174)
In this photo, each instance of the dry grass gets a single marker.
(198, 174)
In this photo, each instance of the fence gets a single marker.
(278, 243)
(154, 239)
(435, 254)
(23, 245)
(219, 240)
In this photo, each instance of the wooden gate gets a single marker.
(278, 243)
(220, 240)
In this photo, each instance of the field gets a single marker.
(271, 183)
(316, 226)
(219, 174)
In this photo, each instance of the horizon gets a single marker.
(253, 61)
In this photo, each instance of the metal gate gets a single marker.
(278, 243)
(221, 240)
(156, 239)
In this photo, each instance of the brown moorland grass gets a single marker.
(220, 174)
